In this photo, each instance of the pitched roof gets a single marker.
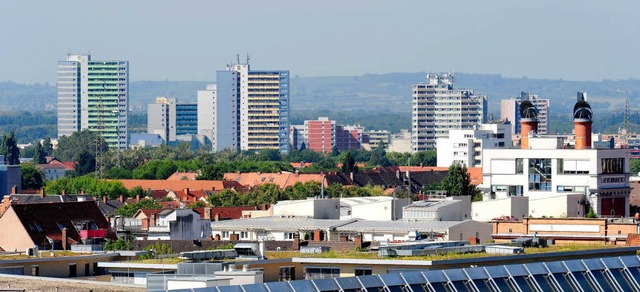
(147, 212)
(107, 209)
(282, 179)
(175, 185)
(224, 213)
(183, 176)
(474, 172)
(45, 220)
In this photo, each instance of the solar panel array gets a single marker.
(597, 274)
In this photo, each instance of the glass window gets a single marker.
(519, 166)
(287, 274)
(321, 273)
(612, 165)
(539, 174)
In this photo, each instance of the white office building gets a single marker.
(510, 110)
(465, 147)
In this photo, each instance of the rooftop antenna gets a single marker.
(627, 108)
(238, 59)
(248, 58)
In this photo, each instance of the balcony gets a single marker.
(97, 233)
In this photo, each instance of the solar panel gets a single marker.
(543, 283)
(575, 266)
(556, 267)
(460, 285)
(613, 263)
(522, 283)
(302, 285)
(279, 286)
(371, 281)
(392, 280)
(326, 284)
(476, 273)
(599, 277)
(260, 287)
(583, 282)
(562, 280)
(497, 271)
(630, 261)
(517, 270)
(622, 280)
(537, 268)
(482, 285)
(349, 283)
(594, 264)
(416, 277)
(454, 275)
(230, 289)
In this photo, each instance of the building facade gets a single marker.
(94, 95)
(169, 119)
(438, 107)
(510, 110)
(320, 134)
(465, 146)
(377, 137)
(247, 109)
(545, 167)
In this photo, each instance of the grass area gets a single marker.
(166, 261)
(43, 254)
(448, 256)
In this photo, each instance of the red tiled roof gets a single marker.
(158, 194)
(474, 172)
(44, 220)
(301, 164)
(170, 204)
(282, 179)
(175, 185)
(224, 213)
(183, 176)
(147, 212)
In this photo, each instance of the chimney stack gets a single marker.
(14, 190)
(582, 120)
(64, 238)
(528, 122)
(122, 199)
(42, 193)
(104, 199)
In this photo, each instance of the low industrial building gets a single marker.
(439, 208)
(567, 230)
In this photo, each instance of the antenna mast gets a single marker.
(627, 109)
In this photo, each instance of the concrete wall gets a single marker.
(560, 206)
(470, 228)
(59, 266)
(487, 210)
(312, 208)
(13, 235)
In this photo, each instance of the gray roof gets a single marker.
(430, 205)
(356, 225)
(403, 226)
(278, 223)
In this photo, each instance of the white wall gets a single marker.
(559, 206)
(485, 211)
(469, 229)
(311, 208)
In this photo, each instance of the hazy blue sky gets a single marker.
(190, 40)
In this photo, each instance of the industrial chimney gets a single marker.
(528, 122)
(582, 120)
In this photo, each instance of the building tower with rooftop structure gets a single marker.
(438, 107)
(94, 95)
(256, 103)
(169, 119)
(510, 110)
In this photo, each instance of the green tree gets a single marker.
(334, 151)
(591, 213)
(424, 158)
(130, 209)
(119, 244)
(47, 147)
(86, 163)
(634, 166)
(212, 172)
(70, 148)
(197, 204)
(349, 163)
(379, 157)
(32, 177)
(40, 156)
(10, 150)
(118, 173)
(458, 181)
(225, 198)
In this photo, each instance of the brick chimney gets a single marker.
(82, 192)
(14, 190)
(138, 198)
(582, 120)
(153, 220)
(122, 199)
(104, 199)
(528, 122)
(42, 193)
(64, 238)
(207, 213)
(64, 192)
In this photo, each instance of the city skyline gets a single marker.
(544, 39)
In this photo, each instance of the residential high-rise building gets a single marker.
(320, 134)
(169, 119)
(438, 107)
(297, 135)
(94, 95)
(350, 137)
(510, 110)
(376, 137)
(250, 109)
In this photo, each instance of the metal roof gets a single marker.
(596, 274)
(403, 226)
(278, 223)
(430, 205)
